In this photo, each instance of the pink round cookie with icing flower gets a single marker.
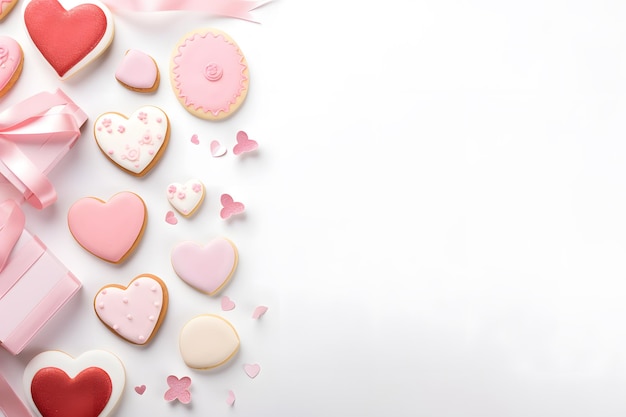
(209, 74)
(135, 312)
(11, 63)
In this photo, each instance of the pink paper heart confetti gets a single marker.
(258, 312)
(244, 144)
(170, 217)
(178, 389)
(230, 207)
(252, 369)
(230, 400)
(140, 389)
(227, 303)
(194, 139)
(217, 149)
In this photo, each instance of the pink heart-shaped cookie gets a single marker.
(208, 267)
(11, 63)
(135, 143)
(109, 230)
(134, 312)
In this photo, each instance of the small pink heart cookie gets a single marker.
(11, 63)
(207, 268)
(187, 197)
(138, 72)
(109, 230)
(135, 312)
(136, 143)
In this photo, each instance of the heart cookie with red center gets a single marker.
(110, 230)
(87, 386)
(136, 143)
(70, 33)
(134, 312)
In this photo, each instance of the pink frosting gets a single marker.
(132, 312)
(206, 268)
(10, 58)
(137, 70)
(110, 229)
(209, 72)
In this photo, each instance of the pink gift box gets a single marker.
(34, 285)
(10, 403)
(34, 136)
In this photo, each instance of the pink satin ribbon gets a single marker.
(31, 122)
(12, 222)
(10, 403)
(239, 9)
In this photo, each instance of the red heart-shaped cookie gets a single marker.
(68, 39)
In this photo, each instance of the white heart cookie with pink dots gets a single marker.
(134, 312)
(186, 198)
(135, 143)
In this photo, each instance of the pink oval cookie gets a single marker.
(11, 63)
(209, 74)
(207, 268)
(109, 230)
(134, 312)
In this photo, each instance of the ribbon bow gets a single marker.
(39, 120)
(239, 9)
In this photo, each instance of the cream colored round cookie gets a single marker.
(208, 341)
(209, 74)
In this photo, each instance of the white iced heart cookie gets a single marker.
(135, 143)
(60, 385)
(187, 197)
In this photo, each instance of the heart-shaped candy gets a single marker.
(208, 341)
(134, 312)
(138, 72)
(135, 143)
(11, 63)
(69, 34)
(208, 267)
(186, 198)
(110, 230)
(87, 386)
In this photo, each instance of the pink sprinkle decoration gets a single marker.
(140, 389)
(227, 303)
(230, 400)
(196, 188)
(217, 149)
(244, 144)
(231, 207)
(178, 389)
(258, 312)
(252, 370)
(170, 218)
(194, 139)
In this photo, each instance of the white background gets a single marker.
(436, 216)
